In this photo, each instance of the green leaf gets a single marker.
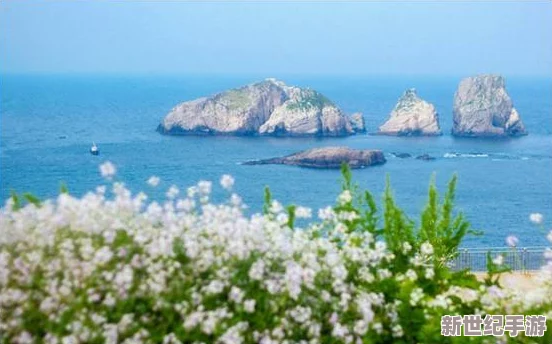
(347, 176)
(16, 200)
(291, 215)
(267, 200)
(63, 189)
(32, 199)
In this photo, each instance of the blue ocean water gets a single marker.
(49, 122)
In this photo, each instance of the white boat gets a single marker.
(94, 150)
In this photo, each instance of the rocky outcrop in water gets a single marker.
(412, 116)
(269, 107)
(357, 122)
(483, 108)
(425, 157)
(328, 157)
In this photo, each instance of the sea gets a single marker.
(48, 124)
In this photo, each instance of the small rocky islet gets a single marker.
(327, 158)
(483, 108)
(412, 116)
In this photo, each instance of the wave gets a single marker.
(465, 155)
(479, 155)
(493, 156)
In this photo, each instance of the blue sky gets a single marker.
(429, 38)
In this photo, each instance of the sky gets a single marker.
(148, 37)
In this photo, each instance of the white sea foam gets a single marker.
(465, 155)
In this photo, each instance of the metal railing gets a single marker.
(524, 259)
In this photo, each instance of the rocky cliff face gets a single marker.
(357, 122)
(306, 112)
(482, 107)
(328, 157)
(269, 107)
(412, 116)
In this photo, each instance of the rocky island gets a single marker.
(328, 157)
(412, 116)
(357, 122)
(269, 107)
(483, 108)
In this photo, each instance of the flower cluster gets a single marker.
(118, 269)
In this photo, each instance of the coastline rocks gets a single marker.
(412, 116)
(269, 107)
(328, 158)
(483, 108)
(425, 157)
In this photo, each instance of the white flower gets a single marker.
(204, 187)
(257, 270)
(397, 331)
(364, 304)
(536, 218)
(326, 214)
(345, 197)
(411, 275)
(236, 294)
(385, 273)
(192, 191)
(70, 340)
(249, 306)
(429, 273)
(512, 240)
(108, 170)
(172, 192)
(186, 205)
(276, 207)
(426, 248)
(378, 327)
(334, 318)
(326, 296)
(153, 181)
(300, 314)
(406, 247)
(171, 338)
(282, 218)
(415, 296)
(215, 287)
(235, 200)
(303, 212)
(24, 338)
(339, 331)
(361, 327)
(109, 300)
(498, 260)
(227, 181)
(347, 215)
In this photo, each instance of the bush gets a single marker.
(117, 269)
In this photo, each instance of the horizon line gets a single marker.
(261, 74)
